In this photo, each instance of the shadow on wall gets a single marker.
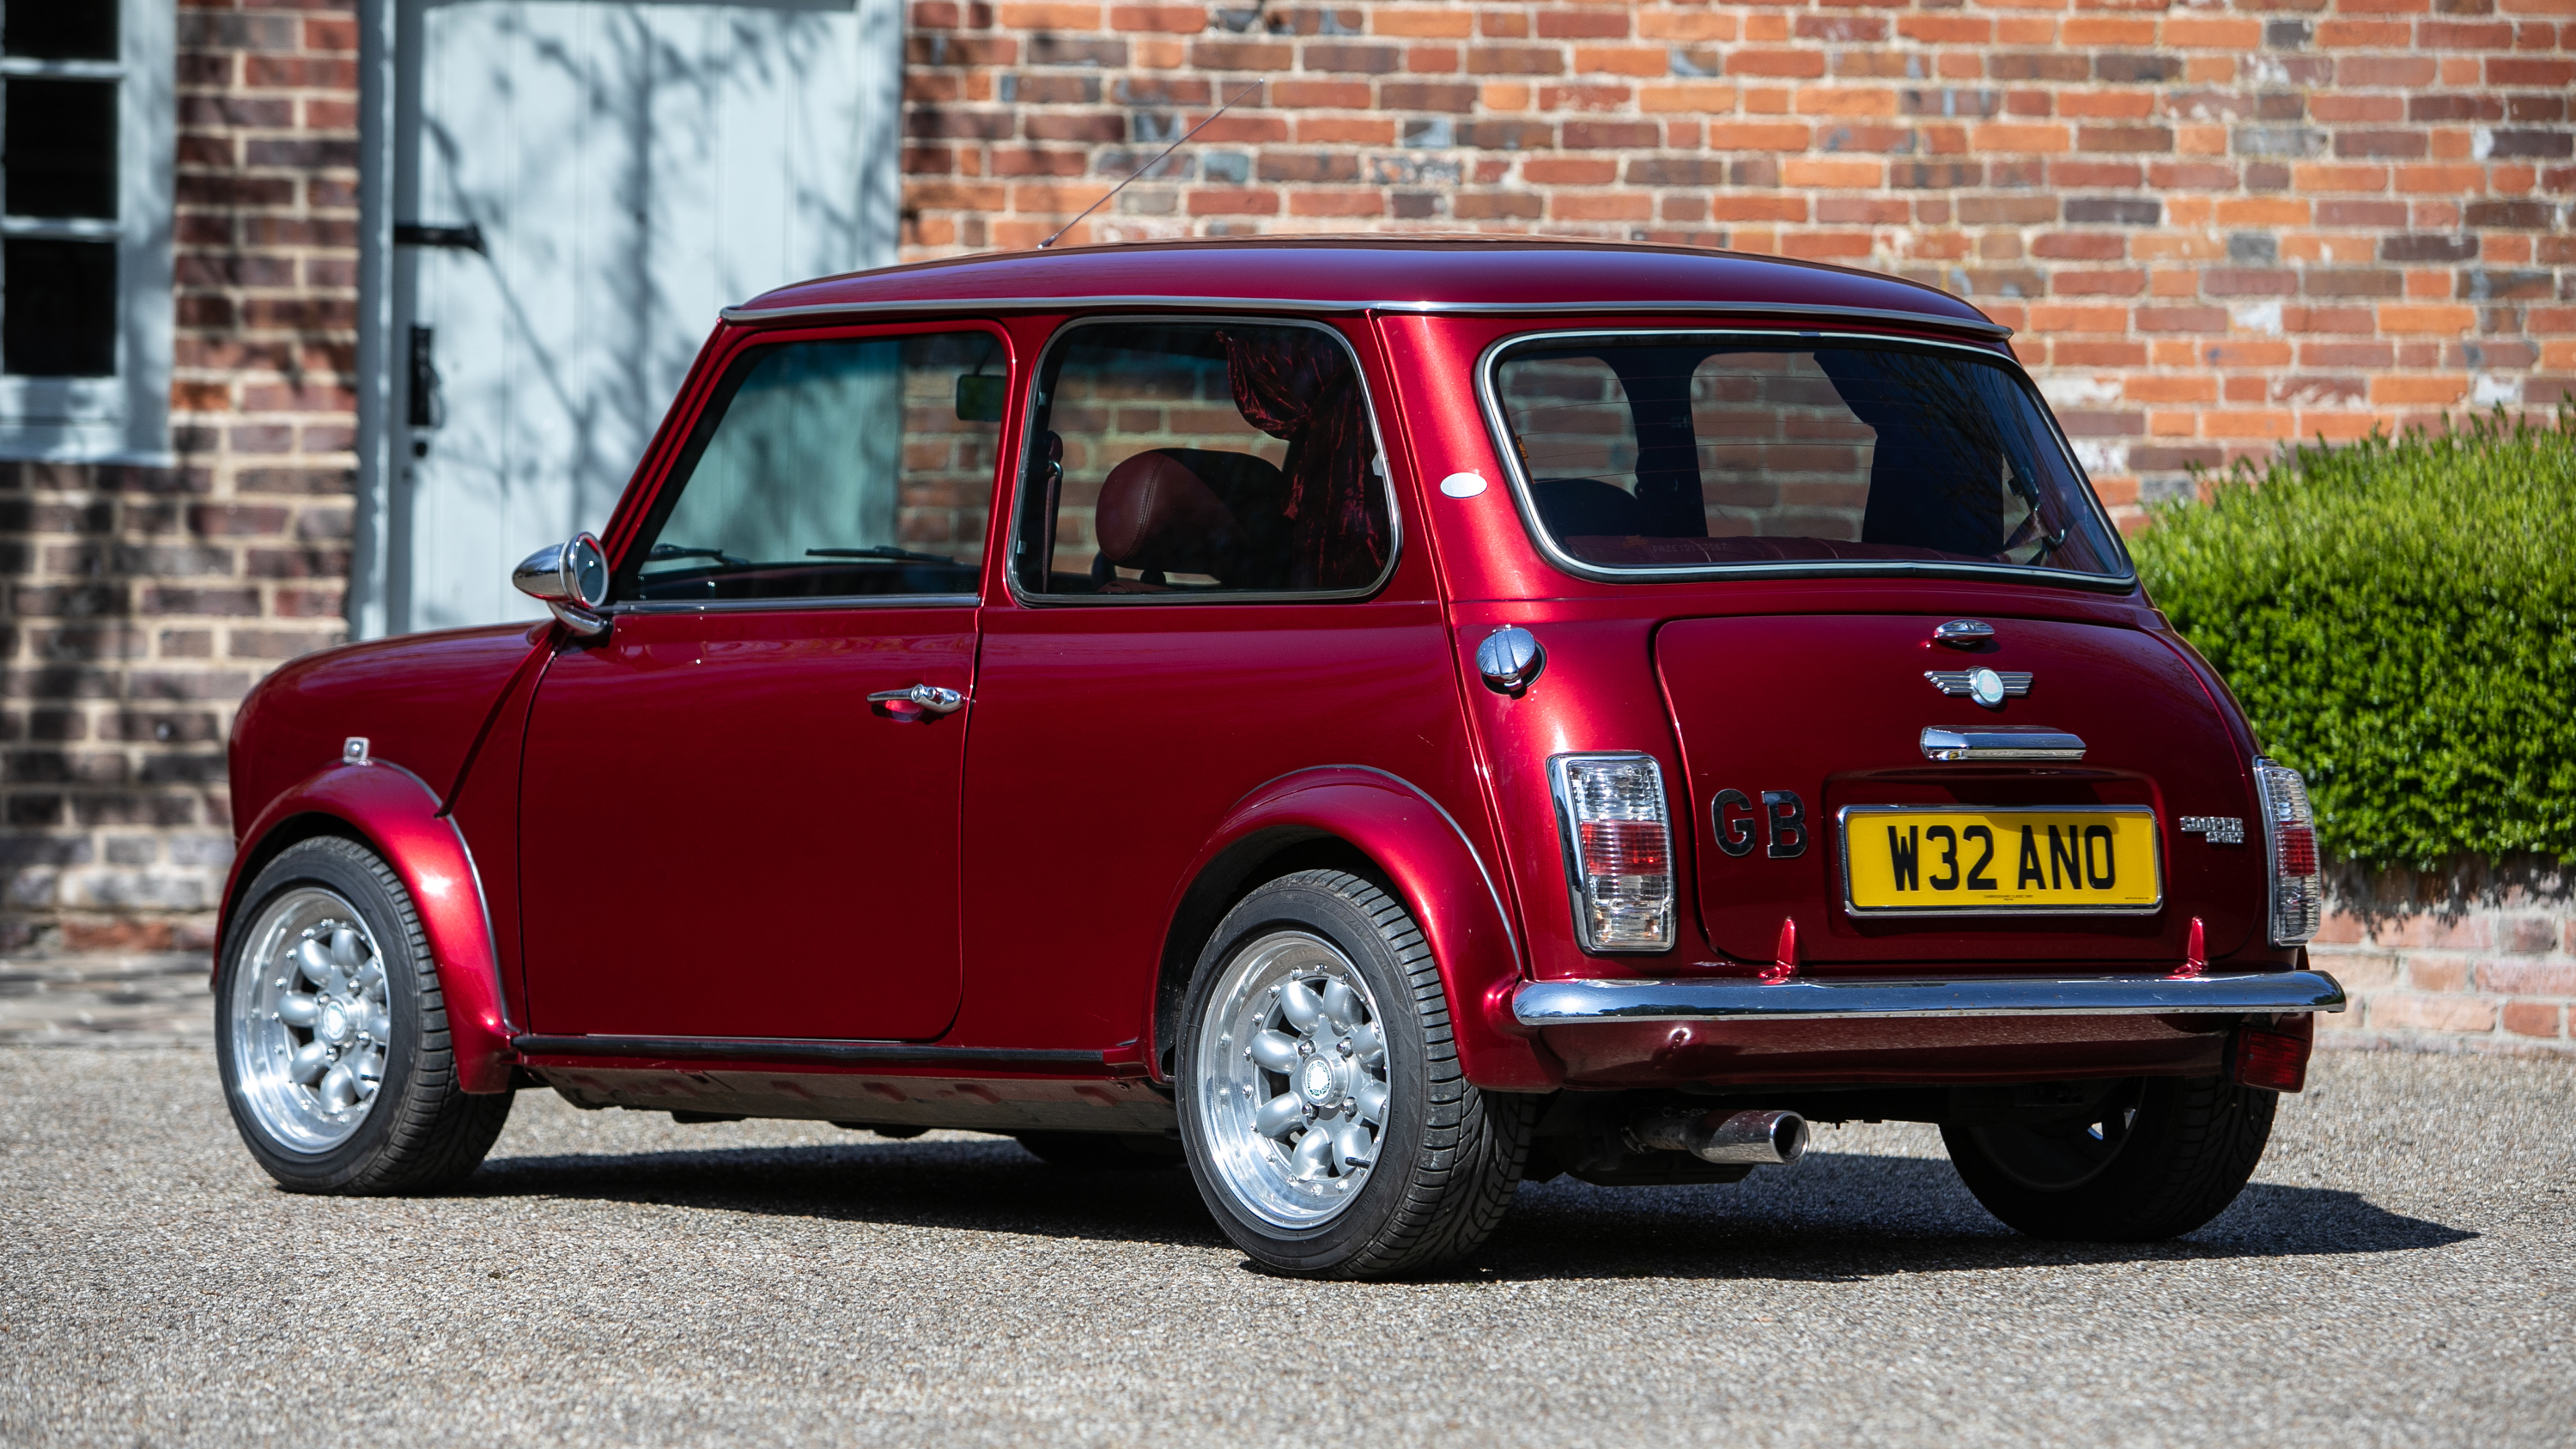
(1835, 1217)
(139, 611)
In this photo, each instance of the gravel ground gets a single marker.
(2403, 1271)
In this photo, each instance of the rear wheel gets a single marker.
(1328, 1125)
(332, 1034)
(2157, 1158)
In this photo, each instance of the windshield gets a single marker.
(1679, 452)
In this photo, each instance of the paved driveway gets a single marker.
(2403, 1272)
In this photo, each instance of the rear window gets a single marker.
(1682, 453)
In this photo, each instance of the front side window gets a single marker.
(1682, 452)
(1174, 460)
(831, 469)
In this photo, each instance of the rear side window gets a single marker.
(1686, 453)
(1180, 460)
(831, 469)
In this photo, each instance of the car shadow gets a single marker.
(1836, 1217)
(990, 1185)
(1846, 1217)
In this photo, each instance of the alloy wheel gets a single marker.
(309, 1020)
(1292, 1062)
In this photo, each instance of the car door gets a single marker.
(1208, 592)
(728, 829)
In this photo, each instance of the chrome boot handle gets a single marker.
(2001, 742)
(927, 696)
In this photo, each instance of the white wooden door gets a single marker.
(628, 167)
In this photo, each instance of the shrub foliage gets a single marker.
(2399, 619)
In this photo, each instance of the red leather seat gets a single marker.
(1195, 511)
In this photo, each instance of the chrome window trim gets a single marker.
(1890, 998)
(1572, 853)
(1500, 435)
(750, 315)
(1028, 445)
(2155, 847)
(771, 606)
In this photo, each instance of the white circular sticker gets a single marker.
(1463, 485)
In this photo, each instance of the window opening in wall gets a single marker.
(59, 74)
(85, 117)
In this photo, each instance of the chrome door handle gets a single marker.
(926, 696)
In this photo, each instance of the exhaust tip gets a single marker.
(1789, 1136)
(1767, 1138)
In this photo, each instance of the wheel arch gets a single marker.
(1389, 832)
(395, 813)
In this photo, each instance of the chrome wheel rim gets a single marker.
(1292, 1072)
(310, 1021)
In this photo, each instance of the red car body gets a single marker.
(689, 865)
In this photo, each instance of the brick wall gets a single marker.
(143, 602)
(2217, 227)
(2476, 959)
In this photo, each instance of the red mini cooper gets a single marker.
(1372, 720)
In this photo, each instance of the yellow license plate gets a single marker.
(2037, 860)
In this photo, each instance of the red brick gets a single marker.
(2408, 1012)
(2525, 978)
(2533, 1018)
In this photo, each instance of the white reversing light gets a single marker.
(1618, 849)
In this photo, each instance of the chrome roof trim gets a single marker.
(1632, 305)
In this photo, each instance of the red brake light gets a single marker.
(1625, 847)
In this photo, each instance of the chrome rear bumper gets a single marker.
(1809, 998)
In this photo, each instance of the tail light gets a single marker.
(2290, 840)
(1618, 850)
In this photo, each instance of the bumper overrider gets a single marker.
(1873, 998)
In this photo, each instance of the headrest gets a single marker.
(1196, 511)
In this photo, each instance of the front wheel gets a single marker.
(331, 1032)
(2157, 1158)
(1323, 1112)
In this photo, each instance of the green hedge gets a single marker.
(2399, 619)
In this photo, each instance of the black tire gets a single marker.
(419, 1130)
(1449, 1156)
(2163, 1156)
(1103, 1151)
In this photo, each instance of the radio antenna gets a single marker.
(1150, 165)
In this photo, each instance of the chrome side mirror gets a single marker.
(572, 580)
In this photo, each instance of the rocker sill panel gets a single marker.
(775, 1049)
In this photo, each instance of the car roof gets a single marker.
(1397, 274)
